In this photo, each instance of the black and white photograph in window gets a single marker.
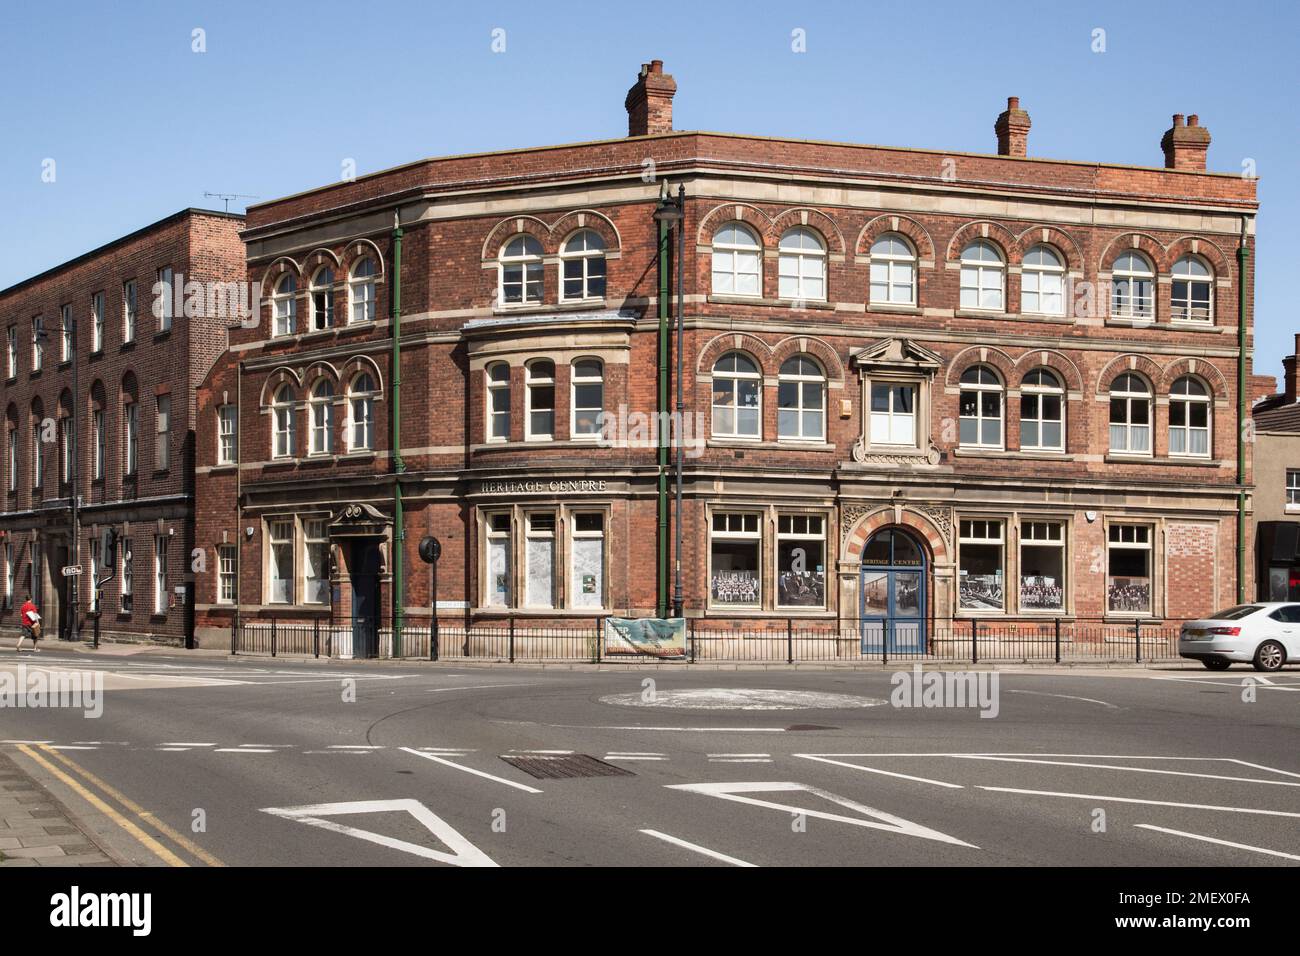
(1042, 566)
(1128, 569)
(734, 559)
(801, 561)
(979, 574)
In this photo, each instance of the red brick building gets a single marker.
(918, 385)
(91, 342)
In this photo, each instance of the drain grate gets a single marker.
(555, 766)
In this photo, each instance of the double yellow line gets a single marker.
(123, 820)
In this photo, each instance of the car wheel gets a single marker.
(1270, 656)
(1216, 664)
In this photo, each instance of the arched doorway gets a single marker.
(892, 605)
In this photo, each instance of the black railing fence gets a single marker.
(752, 640)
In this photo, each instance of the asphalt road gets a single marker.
(307, 763)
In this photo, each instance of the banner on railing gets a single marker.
(646, 636)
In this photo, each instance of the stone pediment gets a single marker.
(359, 519)
(896, 354)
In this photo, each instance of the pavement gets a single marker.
(206, 760)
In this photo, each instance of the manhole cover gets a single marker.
(743, 698)
(553, 766)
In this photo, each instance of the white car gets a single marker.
(1265, 634)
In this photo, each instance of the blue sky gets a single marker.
(140, 126)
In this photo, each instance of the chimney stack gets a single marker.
(650, 101)
(1185, 146)
(1289, 364)
(1012, 128)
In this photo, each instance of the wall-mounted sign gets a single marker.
(555, 487)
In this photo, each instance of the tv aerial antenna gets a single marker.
(226, 197)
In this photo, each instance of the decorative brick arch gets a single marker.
(359, 249)
(751, 216)
(999, 235)
(1202, 248)
(1061, 242)
(507, 229)
(720, 345)
(913, 230)
(825, 355)
(358, 364)
(1128, 241)
(1200, 368)
(1058, 362)
(923, 529)
(314, 260)
(318, 370)
(580, 219)
(995, 358)
(1129, 362)
(281, 376)
(279, 267)
(815, 220)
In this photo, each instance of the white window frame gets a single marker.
(38, 344)
(65, 449)
(1292, 488)
(801, 265)
(166, 278)
(577, 598)
(12, 354)
(97, 306)
(886, 262)
(362, 297)
(799, 379)
(890, 417)
(973, 531)
(584, 251)
(130, 306)
(736, 377)
(1129, 429)
(791, 520)
(12, 453)
(160, 601)
(1189, 400)
(131, 436)
(531, 271)
(1042, 276)
(1039, 392)
(1133, 306)
(227, 558)
(576, 381)
(982, 277)
(727, 257)
(284, 306)
(498, 400)
(281, 531)
(38, 455)
(226, 434)
(737, 530)
(282, 415)
(532, 532)
(126, 598)
(362, 400)
(92, 598)
(320, 418)
(162, 452)
(315, 531)
(1182, 307)
(979, 389)
(320, 298)
(491, 534)
(1042, 533)
(97, 444)
(9, 574)
(1140, 542)
(65, 331)
(534, 382)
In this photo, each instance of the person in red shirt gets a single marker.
(30, 619)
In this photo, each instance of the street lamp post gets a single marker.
(673, 211)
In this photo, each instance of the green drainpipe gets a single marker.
(1243, 254)
(661, 606)
(399, 466)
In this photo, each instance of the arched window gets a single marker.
(321, 439)
(38, 446)
(540, 397)
(982, 277)
(736, 389)
(893, 271)
(284, 307)
(498, 402)
(737, 261)
(1130, 415)
(1191, 299)
(583, 258)
(521, 271)
(361, 291)
(1042, 412)
(1189, 418)
(980, 408)
(801, 401)
(361, 413)
(587, 380)
(1132, 288)
(1042, 282)
(802, 265)
(282, 423)
(322, 300)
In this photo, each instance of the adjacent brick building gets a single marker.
(922, 385)
(90, 341)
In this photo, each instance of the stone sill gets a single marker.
(977, 453)
(1113, 459)
(542, 308)
(821, 447)
(724, 299)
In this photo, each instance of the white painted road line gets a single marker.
(706, 730)
(1086, 700)
(739, 755)
(71, 747)
(1206, 839)
(1153, 803)
(740, 760)
(632, 757)
(696, 848)
(355, 747)
(1104, 766)
(821, 758)
(172, 743)
(173, 750)
(478, 773)
(243, 750)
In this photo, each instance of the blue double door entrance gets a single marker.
(892, 606)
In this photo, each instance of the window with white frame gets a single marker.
(38, 344)
(980, 564)
(226, 558)
(498, 402)
(521, 271)
(9, 574)
(321, 415)
(160, 601)
(893, 271)
(1128, 569)
(65, 449)
(129, 306)
(801, 400)
(1191, 295)
(97, 444)
(226, 447)
(96, 322)
(893, 414)
(361, 413)
(282, 423)
(162, 433)
(166, 298)
(131, 435)
(588, 401)
(1293, 487)
(980, 408)
(92, 581)
(38, 450)
(128, 573)
(540, 395)
(1042, 282)
(737, 261)
(65, 333)
(800, 560)
(735, 559)
(499, 584)
(587, 559)
(315, 567)
(539, 559)
(737, 390)
(983, 277)
(1189, 418)
(1042, 411)
(361, 291)
(583, 262)
(1132, 288)
(321, 293)
(284, 305)
(11, 354)
(1130, 415)
(801, 265)
(1042, 566)
(11, 458)
(279, 570)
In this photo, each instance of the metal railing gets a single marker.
(751, 640)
